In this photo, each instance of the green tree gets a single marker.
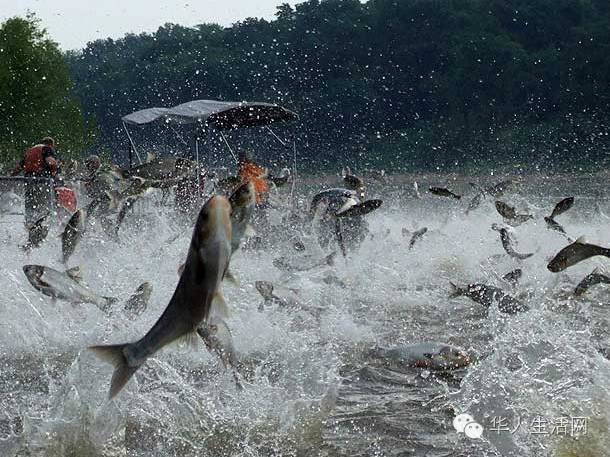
(35, 92)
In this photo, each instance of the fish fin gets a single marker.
(114, 354)
(359, 209)
(347, 205)
(229, 276)
(455, 290)
(580, 240)
(249, 232)
(150, 157)
(191, 339)
(75, 273)
(219, 305)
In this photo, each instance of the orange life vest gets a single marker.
(34, 162)
(249, 171)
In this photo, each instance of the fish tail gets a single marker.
(114, 354)
(455, 290)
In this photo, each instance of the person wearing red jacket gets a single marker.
(39, 161)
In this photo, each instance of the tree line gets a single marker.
(397, 84)
(36, 97)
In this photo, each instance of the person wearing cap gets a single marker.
(38, 162)
(250, 171)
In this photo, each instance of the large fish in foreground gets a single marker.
(191, 305)
(576, 252)
(64, 286)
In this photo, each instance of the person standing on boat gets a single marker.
(38, 162)
(250, 171)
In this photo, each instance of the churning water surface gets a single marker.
(311, 385)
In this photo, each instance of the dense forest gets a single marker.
(396, 83)
(36, 96)
(399, 84)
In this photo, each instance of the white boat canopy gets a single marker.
(218, 114)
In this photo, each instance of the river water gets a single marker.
(539, 385)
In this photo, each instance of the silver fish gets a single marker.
(551, 224)
(197, 293)
(510, 214)
(243, 201)
(508, 247)
(416, 235)
(64, 286)
(304, 262)
(576, 252)
(432, 356)
(77, 225)
(125, 208)
(73, 232)
(595, 277)
(488, 295)
(218, 339)
(443, 192)
(281, 297)
(562, 207)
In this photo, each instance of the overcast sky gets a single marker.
(72, 23)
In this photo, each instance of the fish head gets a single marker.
(453, 357)
(213, 231)
(244, 196)
(34, 273)
(563, 259)
(558, 263)
(214, 218)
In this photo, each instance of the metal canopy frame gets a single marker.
(212, 115)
